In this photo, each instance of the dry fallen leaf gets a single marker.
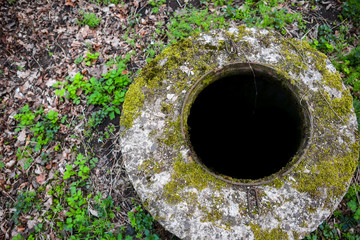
(48, 203)
(31, 223)
(49, 166)
(69, 3)
(40, 179)
(23, 185)
(27, 140)
(20, 228)
(22, 136)
(93, 212)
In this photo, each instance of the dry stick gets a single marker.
(338, 24)
(316, 25)
(8, 195)
(179, 3)
(41, 68)
(357, 195)
(141, 8)
(289, 32)
(117, 174)
(228, 229)
(61, 49)
(114, 179)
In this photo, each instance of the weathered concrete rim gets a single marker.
(192, 203)
(228, 69)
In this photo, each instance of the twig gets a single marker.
(228, 229)
(61, 49)
(356, 192)
(179, 3)
(41, 68)
(316, 25)
(141, 8)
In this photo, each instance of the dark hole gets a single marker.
(241, 134)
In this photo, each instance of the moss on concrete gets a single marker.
(172, 135)
(133, 102)
(150, 166)
(330, 172)
(277, 183)
(188, 175)
(273, 234)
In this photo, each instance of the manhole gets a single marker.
(247, 124)
(239, 134)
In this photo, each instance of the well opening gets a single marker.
(246, 124)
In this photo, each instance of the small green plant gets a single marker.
(193, 21)
(84, 165)
(353, 202)
(79, 60)
(261, 14)
(97, 118)
(91, 57)
(351, 10)
(107, 2)
(20, 68)
(156, 4)
(2, 164)
(325, 39)
(45, 128)
(49, 51)
(18, 237)
(108, 91)
(331, 40)
(142, 222)
(42, 132)
(26, 117)
(89, 19)
(87, 216)
(25, 152)
(24, 203)
(349, 65)
(324, 232)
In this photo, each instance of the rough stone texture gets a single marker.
(193, 204)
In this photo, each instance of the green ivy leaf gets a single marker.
(357, 214)
(353, 205)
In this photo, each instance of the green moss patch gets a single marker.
(274, 234)
(189, 175)
(331, 172)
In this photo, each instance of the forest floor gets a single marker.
(59, 141)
